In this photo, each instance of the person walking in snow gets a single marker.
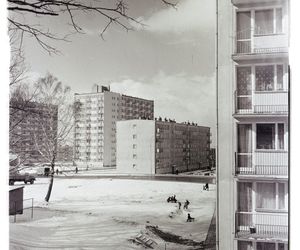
(179, 205)
(186, 204)
(174, 198)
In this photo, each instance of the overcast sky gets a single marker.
(170, 60)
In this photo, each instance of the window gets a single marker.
(244, 134)
(279, 77)
(244, 196)
(268, 21)
(281, 195)
(282, 246)
(265, 246)
(269, 77)
(271, 196)
(264, 77)
(245, 245)
(244, 80)
(263, 22)
(278, 20)
(266, 196)
(244, 87)
(265, 136)
(280, 136)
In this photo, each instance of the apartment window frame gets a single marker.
(276, 9)
(274, 22)
(276, 207)
(276, 138)
(276, 83)
(253, 203)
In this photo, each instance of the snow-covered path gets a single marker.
(106, 213)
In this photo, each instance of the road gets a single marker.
(162, 177)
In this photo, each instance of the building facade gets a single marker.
(33, 131)
(161, 147)
(95, 124)
(253, 87)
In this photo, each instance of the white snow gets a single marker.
(106, 213)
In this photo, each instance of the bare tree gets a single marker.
(17, 68)
(23, 12)
(59, 106)
(21, 95)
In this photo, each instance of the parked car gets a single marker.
(21, 177)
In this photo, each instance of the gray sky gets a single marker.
(170, 60)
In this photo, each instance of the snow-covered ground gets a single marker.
(107, 213)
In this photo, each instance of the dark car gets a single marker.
(21, 177)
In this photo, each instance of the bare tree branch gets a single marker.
(115, 13)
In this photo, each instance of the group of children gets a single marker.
(186, 203)
(185, 206)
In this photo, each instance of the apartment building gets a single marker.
(95, 124)
(161, 147)
(253, 90)
(33, 131)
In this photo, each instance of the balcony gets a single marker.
(268, 225)
(249, 45)
(262, 163)
(262, 103)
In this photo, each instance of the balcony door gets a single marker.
(244, 154)
(243, 27)
(244, 89)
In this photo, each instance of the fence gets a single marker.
(275, 103)
(261, 224)
(25, 212)
(262, 163)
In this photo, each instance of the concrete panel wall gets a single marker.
(136, 146)
(225, 161)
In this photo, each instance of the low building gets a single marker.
(16, 200)
(161, 147)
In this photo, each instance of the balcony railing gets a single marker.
(262, 102)
(249, 41)
(261, 224)
(273, 163)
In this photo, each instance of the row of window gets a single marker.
(249, 245)
(261, 78)
(266, 21)
(268, 136)
(260, 196)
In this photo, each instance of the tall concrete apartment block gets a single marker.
(161, 147)
(33, 131)
(253, 85)
(95, 124)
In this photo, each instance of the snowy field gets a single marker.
(109, 214)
